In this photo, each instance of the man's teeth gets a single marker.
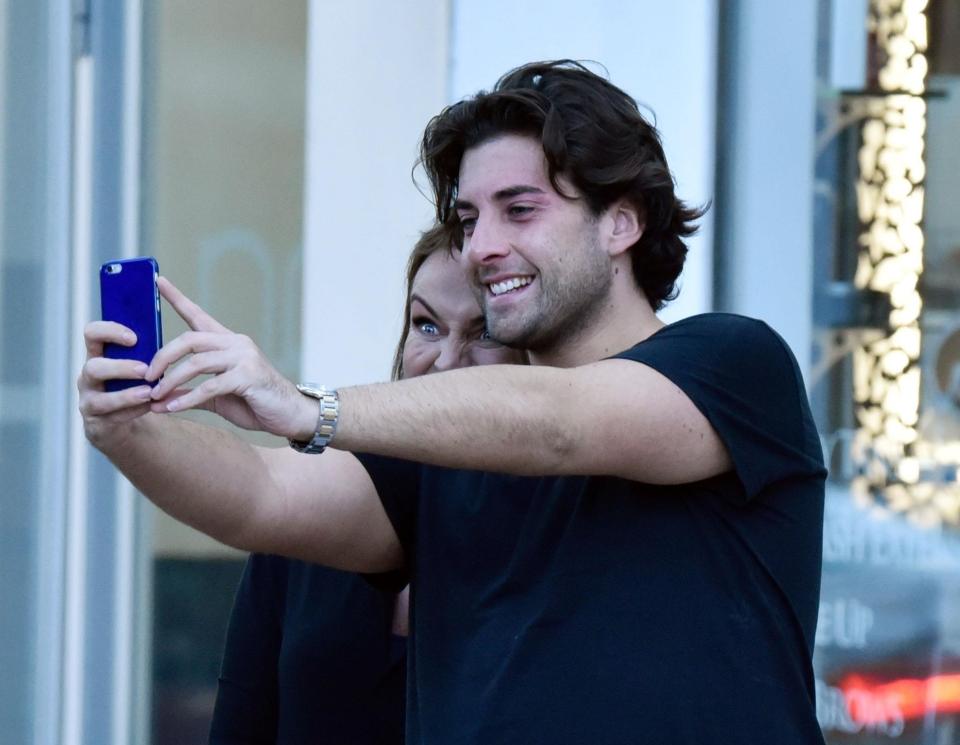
(498, 288)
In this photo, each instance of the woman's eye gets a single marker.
(467, 224)
(519, 210)
(426, 327)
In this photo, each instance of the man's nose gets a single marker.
(485, 243)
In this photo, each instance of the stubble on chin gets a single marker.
(526, 328)
(557, 315)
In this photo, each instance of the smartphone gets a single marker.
(129, 296)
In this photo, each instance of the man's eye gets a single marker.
(487, 340)
(519, 210)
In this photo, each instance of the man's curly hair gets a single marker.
(594, 136)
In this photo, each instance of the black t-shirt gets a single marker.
(598, 610)
(309, 658)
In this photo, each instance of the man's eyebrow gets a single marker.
(501, 195)
(424, 303)
(514, 191)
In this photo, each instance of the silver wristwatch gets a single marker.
(326, 422)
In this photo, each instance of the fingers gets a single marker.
(203, 395)
(97, 370)
(100, 369)
(99, 404)
(195, 317)
(98, 333)
(199, 364)
(191, 342)
(163, 406)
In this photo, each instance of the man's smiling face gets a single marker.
(533, 255)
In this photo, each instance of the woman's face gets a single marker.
(446, 326)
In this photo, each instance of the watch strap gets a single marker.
(326, 421)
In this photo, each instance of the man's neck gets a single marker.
(626, 319)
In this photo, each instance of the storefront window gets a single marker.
(886, 379)
(224, 116)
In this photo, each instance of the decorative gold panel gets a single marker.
(895, 459)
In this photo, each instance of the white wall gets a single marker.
(771, 163)
(377, 73)
(663, 54)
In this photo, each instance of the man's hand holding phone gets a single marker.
(244, 388)
(112, 385)
(104, 412)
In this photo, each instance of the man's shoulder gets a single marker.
(723, 354)
(727, 335)
(722, 324)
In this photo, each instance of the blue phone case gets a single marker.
(129, 296)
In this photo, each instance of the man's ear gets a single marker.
(623, 226)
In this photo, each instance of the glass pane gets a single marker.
(224, 97)
(34, 352)
(886, 382)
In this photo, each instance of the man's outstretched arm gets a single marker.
(258, 499)
(613, 417)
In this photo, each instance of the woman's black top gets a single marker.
(310, 658)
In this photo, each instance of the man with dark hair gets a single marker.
(619, 543)
(593, 135)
